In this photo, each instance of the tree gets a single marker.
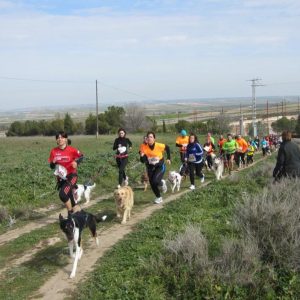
(182, 124)
(164, 128)
(114, 117)
(284, 124)
(221, 124)
(90, 124)
(69, 124)
(135, 118)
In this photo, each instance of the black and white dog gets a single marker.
(84, 190)
(72, 227)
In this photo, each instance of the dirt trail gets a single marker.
(60, 286)
(15, 233)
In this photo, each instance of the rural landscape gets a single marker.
(229, 239)
(150, 150)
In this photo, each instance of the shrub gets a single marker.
(189, 247)
(273, 220)
(239, 262)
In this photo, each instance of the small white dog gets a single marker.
(175, 180)
(218, 167)
(86, 190)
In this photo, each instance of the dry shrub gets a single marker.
(273, 220)
(238, 263)
(265, 170)
(189, 247)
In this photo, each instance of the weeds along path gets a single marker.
(60, 286)
(15, 233)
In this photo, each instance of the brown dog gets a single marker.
(124, 200)
(145, 180)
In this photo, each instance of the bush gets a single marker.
(189, 247)
(239, 262)
(273, 220)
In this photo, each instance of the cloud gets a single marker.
(159, 48)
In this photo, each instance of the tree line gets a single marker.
(133, 118)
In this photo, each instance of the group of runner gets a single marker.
(65, 159)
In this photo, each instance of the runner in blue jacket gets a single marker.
(194, 157)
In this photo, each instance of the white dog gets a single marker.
(218, 167)
(175, 180)
(84, 189)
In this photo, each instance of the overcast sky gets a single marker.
(142, 50)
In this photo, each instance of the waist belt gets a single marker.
(121, 155)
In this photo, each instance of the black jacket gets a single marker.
(124, 142)
(288, 160)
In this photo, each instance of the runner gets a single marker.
(221, 141)
(194, 157)
(250, 152)
(264, 146)
(209, 148)
(241, 151)
(153, 157)
(122, 144)
(65, 160)
(181, 142)
(229, 148)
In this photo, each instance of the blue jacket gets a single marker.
(194, 153)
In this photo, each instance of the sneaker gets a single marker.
(158, 200)
(164, 186)
(126, 181)
(192, 187)
(118, 186)
(202, 179)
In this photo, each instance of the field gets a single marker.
(160, 254)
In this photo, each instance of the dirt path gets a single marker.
(15, 233)
(60, 286)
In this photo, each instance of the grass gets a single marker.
(128, 274)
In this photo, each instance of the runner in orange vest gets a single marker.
(153, 157)
(182, 142)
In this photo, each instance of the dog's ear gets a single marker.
(60, 217)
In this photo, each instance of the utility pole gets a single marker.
(268, 117)
(298, 105)
(255, 83)
(97, 121)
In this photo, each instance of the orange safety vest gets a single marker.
(155, 155)
(182, 140)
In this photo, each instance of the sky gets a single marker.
(52, 52)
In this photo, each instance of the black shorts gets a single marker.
(66, 188)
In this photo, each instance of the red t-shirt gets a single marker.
(65, 157)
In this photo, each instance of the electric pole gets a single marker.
(255, 83)
(268, 130)
(97, 121)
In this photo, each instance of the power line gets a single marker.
(78, 81)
